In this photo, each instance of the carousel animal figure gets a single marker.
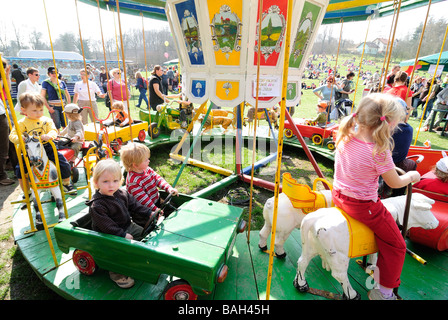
(326, 232)
(213, 121)
(288, 218)
(45, 176)
(273, 114)
(219, 113)
(218, 117)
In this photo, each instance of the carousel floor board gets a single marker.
(247, 278)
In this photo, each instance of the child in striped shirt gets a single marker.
(143, 182)
(363, 153)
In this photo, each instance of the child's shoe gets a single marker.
(39, 223)
(70, 189)
(375, 294)
(122, 281)
(6, 181)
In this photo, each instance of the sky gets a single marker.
(62, 17)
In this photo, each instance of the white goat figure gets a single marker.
(45, 177)
(324, 232)
(288, 218)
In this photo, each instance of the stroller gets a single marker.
(343, 107)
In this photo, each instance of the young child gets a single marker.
(436, 180)
(321, 119)
(362, 155)
(121, 116)
(142, 181)
(111, 208)
(75, 128)
(32, 105)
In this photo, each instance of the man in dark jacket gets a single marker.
(17, 74)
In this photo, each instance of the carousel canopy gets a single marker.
(349, 10)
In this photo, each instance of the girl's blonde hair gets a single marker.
(378, 112)
(134, 153)
(107, 165)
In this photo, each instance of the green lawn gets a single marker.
(194, 179)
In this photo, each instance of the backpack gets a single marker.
(145, 83)
(107, 101)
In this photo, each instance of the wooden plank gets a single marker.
(424, 282)
(240, 283)
(284, 272)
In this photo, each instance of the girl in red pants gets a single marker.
(363, 154)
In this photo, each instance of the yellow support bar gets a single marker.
(202, 165)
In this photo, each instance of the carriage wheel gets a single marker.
(316, 138)
(288, 133)
(179, 290)
(84, 262)
(141, 136)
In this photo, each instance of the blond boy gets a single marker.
(142, 181)
(35, 123)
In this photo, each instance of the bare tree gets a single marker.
(36, 41)
(66, 42)
(18, 41)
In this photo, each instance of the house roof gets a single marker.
(382, 40)
(369, 44)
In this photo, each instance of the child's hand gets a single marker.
(157, 213)
(75, 139)
(174, 192)
(129, 236)
(45, 137)
(414, 175)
